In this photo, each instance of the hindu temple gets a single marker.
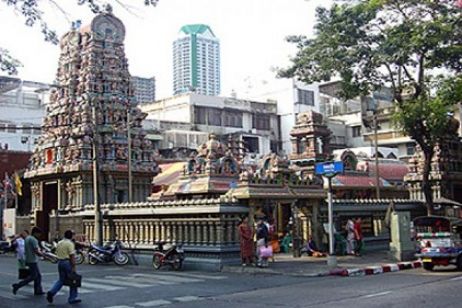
(92, 115)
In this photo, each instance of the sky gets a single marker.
(251, 33)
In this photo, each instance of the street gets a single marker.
(124, 287)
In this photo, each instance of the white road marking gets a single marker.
(200, 276)
(187, 298)
(456, 278)
(10, 295)
(120, 306)
(149, 280)
(100, 286)
(119, 283)
(376, 294)
(170, 278)
(158, 302)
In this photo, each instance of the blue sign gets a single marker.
(330, 168)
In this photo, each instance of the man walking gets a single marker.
(31, 251)
(65, 251)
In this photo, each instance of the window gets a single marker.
(261, 121)
(214, 117)
(410, 148)
(232, 118)
(11, 129)
(27, 129)
(200, 115)
(305, 97)
(251, 143)
(356, 131)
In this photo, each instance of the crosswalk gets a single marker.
(114, 282)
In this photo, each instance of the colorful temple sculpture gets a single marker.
(90, 114)
(310, 138)
(445, 174)
(355, 189)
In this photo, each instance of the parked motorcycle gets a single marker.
(79, 253)
(8, 246)
(49, 251)
(173, 256)
(108, 253)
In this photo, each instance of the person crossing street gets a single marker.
(31, 251)
(65, 251)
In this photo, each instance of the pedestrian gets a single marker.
(246, 241)
(262, 241)
(20, 252)
(31, 251)
(65, 251)
(350, 228)
(311, 249)
(358, 236)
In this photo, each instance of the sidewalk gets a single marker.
(285, 264)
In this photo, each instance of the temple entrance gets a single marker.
(284, 213)
(49, 203)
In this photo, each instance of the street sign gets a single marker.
(330, 168)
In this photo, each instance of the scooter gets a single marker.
(174, 256)
(108, 253)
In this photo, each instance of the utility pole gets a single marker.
(329, 170)
(98, 216)
(129, 140)
(376, 145)
(331, 258)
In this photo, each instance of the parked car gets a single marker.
(439, 241)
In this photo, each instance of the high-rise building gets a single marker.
(145, 89)
(196, 61)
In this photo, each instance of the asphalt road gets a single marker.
(126, 287)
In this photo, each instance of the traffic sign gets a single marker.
(330, 168)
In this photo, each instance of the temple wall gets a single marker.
(207, 228)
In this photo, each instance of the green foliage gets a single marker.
(31, 11)
(7, 63)
(413, 47)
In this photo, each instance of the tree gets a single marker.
(413, 47)
(31, 11)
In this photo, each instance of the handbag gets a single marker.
(266, 252)
(73, 280)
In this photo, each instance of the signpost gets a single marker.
(330, 170)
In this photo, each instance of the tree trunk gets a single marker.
(426, 184)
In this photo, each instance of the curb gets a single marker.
(374, 270)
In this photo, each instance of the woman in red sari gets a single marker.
(246, 240)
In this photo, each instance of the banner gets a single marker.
(9, 222)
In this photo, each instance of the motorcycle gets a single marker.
(108, 253)
(7, 246)
(49, 251)
(174, 256)
(79, 253)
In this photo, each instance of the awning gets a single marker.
(170, 173)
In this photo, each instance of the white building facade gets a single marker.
(145, 89)
(196, 61)
(22, 108)
(186, 120)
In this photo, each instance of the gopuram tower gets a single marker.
(89, 112)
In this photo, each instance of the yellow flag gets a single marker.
(18, 184)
